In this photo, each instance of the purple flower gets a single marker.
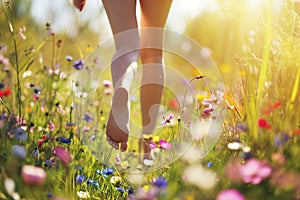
(230, 194)
(80, 178)
(168, 119)
(19, 134)
(254, 171)
(160, 182)
(78, 64)
(87, 117)
(19, 151)
(65, 140)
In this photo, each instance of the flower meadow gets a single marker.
(52, 132)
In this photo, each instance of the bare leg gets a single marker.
(122, 18)
(154, 16)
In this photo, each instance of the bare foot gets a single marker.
(117, 130)
(144, 149)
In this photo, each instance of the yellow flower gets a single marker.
(115, 180)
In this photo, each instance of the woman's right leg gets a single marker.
(154, 16)
(122, 19)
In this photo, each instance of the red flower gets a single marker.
(6, 92)
(296, 132)
(264, 124)
(275, 105)
(173, 103)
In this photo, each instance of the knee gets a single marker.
(151, 54)
(126, 54)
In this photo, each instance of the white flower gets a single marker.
(200, 177)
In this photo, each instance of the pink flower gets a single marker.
(63, 154)
(168, 119)
(230, 194)
(51, 126)
(107, 83)
(254, 171)
(4, 61)
(164, 144)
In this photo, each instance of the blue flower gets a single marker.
(90, 181)
(49, 195)
(160, 182)
(96, 184)
(107, 171)
(209, 164)
(130, 190)
(19, 134)
(78, 64)
(2, 85)
(19, 151)
(120, 189)
(77, 167)
(37, 91)
(35, 152)
(65, 140)
(80, 178)
(87, 117)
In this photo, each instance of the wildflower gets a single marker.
(234, 146)
(37, 91)
(49, 163)
(118, 159)
(254, 171)
(207, 111)
(51, 126)
(209, 164)
(108, 91)
(279, 139)
(5, 93)
(173, 103)
(115, 180)
(49, 195)
(63, 154)
(120, 189)
(69, 58)
(19, 151)
(35, 152)
(214, 98)
(19, 134)
(263, 124)
(64, 140)
(71, 126)
(80, 178)
(21, 33)
(168, 119)
(230, 194)
(107, 83)
(83, 195)
(33, 175)
(200, 177)
(4, 61)
(107, 171)
(78, 64)
(160, 182)
(87, 117)
(163, 144)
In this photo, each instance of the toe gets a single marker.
(123, 146)
(112, 143)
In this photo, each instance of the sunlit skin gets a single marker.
(123, 22)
